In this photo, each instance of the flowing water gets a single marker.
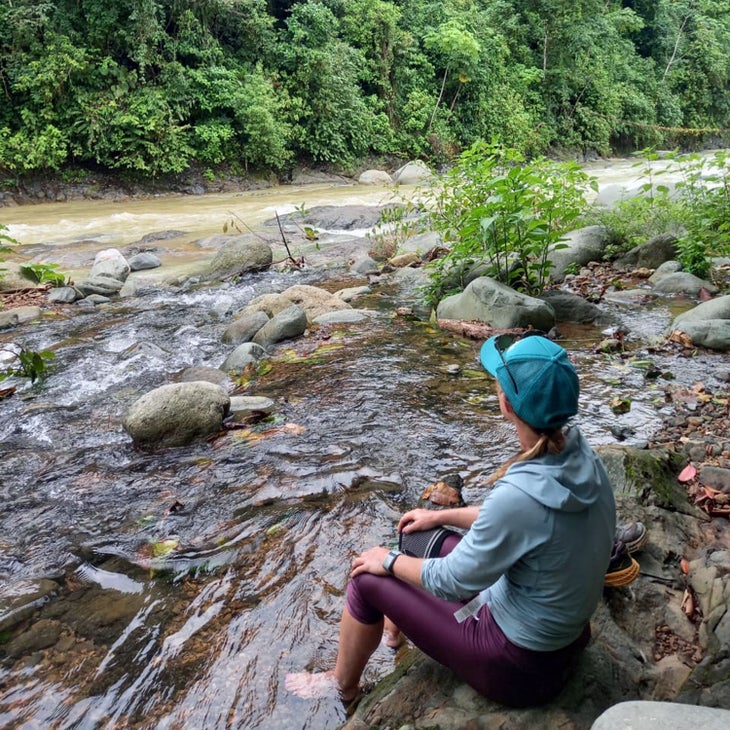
(176, 589)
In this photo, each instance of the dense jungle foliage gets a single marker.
(156, 86)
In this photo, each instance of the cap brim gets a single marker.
(490, 357)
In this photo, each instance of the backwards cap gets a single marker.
(547, 388)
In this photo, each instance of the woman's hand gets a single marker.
(371, 561)
(419, 519)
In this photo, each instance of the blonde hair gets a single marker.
(552, 442)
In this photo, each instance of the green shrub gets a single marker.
(496, 210)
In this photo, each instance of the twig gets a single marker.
(283, 238)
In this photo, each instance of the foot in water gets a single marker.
(317, 686)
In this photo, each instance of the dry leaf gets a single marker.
(681, 338)
(684, 565)
(687, 474)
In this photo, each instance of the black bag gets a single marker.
(424, 543)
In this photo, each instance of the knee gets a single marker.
(359, 594)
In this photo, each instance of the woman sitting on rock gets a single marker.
(506, 606)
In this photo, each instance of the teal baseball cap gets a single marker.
(537, 377)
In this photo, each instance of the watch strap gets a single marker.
(390, 559)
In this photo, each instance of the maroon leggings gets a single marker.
(476, 650)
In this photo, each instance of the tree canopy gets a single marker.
(156, 86)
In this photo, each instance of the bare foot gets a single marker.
(310, 686)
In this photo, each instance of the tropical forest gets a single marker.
(150, 87)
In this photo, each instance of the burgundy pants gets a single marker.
(476, 649)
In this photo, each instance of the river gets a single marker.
(176, 589)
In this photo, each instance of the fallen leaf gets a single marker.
(684, 566)
(687, 474)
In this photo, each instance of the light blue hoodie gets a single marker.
(537, 553)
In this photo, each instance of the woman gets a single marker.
(507, 606)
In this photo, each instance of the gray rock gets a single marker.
(249, 353)
(104, 285)
(8, 320)
(375, 177)
(651, 254)
(629, 297)
(244, 327)
(668, 267)
(289, 323)
(582, 246)
(143, 261)
(573, 308)
(422, 242)
(242, 406)
(110, 263)
(209, 375)
(176, 414)
(487, 300)
(342, 317)
(716, 477)
(12, 277)
(312, 299)
(412, 173)
(365, 265)
(683, 282)
(63, 295)
(718, 308)
(337, 217)
(240, 255)
(644, 715)
(353, 292)
(712, 333)
(25, 314)
(96, 299)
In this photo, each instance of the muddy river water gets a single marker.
(175, 589)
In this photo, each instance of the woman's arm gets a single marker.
(426, 519)
(405, 568)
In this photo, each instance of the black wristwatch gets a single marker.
(390, 559)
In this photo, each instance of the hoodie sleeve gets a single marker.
(510, 524)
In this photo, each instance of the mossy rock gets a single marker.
(649, 477)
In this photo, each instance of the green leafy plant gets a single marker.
(44, 273)
(26, 363)
(5, 242)
(396, 225)
(497, 211)
(696, 211)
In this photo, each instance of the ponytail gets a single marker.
(552, 442)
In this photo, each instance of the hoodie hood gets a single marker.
(570, 481)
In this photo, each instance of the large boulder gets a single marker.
(412, 173)
(487, 300)
(375, 177)
(682, 282)
(581, 247)
(110, 263)
(313, 300)
(707, 324)
(570, 307)
(652, 254)
(240, 255)
(711, 333)
(176, 414)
